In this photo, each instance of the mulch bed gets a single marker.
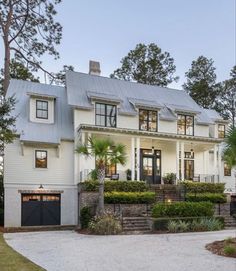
(217, 247)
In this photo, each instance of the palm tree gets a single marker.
(105, 152)
(229, 153)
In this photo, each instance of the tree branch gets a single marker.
(23, 24)
(32, 62)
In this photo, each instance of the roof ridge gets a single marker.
(126, 81)
(36, 83)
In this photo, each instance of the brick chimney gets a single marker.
(94, 68)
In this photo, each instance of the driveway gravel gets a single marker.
(68, 250)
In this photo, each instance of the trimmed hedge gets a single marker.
(120, 186)
(161, 224)
(1, 217)
(129, 197)
(212, 197)
(183, 209)
(197, 187)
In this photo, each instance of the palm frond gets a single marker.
(229, 152)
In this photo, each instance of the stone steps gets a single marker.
(230, 222)
(135, 224)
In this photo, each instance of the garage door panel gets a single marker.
(31, 213)
(51, 213)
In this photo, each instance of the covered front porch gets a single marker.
(150, 157)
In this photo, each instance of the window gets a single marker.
(227, 170)
(110, 170)
(41, 159)
(185, 125)
(105, 115)
(147, 120)
(221, 131)
(41, 109)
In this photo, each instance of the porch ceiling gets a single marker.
(141, 134)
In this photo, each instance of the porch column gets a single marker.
(204, 163)
(215, 159)
(138, 157)
(219, 163)
(177, 160)
(81, 160)
(182, 161)
(132, 158)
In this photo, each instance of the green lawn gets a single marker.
(10, 260)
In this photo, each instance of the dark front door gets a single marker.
(40, 210)
(150, 169)
(188, 169)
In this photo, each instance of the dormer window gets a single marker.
(148, 120)
(41, 109)
(221, 131)
(105, 115)
(185, 125)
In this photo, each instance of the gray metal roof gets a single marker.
(78, 84)
(62, 128)
(82, 88)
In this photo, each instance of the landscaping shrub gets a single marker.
(119, 186)
(85, 217)
(198, 187)
(105, 225)
(169, 178)
(195, 223)
(183, 209)
(172, 226)
(189, 224)
(178, 226)
(90, 186)
(229, 250)
(207, 224)
(212, 197)
(129, 197)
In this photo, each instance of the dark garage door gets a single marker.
(41, 210)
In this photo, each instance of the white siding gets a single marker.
(20, 169)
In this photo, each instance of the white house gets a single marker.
(163, 129)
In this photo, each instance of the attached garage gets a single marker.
(41, 209)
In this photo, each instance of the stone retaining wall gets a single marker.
(222, 209)
(128, 210)
(91, 199)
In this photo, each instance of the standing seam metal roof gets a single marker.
(62, 128)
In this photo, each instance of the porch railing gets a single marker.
(206, 178)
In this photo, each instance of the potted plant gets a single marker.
(169, 178)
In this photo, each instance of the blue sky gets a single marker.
(106, 30)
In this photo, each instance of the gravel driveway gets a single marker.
(67, 250)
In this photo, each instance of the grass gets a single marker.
(10, 260)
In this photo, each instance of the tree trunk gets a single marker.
(6, 79)
(101, 177)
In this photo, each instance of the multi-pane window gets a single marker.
(227, 170)
(41, 159)
(185, 125)
(110, 170)
(41, 109)
(221, 130)
(105, 115)
(147, 120)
